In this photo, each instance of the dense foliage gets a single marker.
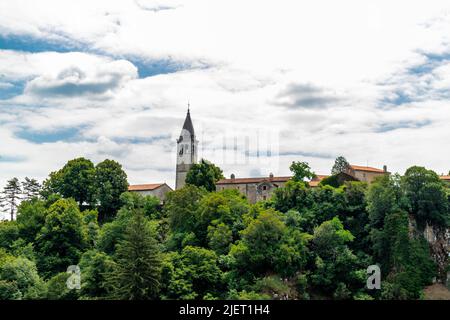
(303, 243)
(204, 174)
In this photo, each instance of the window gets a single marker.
(264, 197)
(264, 187)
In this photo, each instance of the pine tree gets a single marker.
(136, 273)
(11, 196)
(31, 188)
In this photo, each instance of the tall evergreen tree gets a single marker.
(31, 188)
(136, 273)
(10, 197)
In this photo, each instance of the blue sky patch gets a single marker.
(141, 140)
(68, 134)
(10, 89)
(5, 158)
(34, 45)
(146, 67)
(386, 127)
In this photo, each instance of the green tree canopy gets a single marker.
(204, 174)
(22, 275)
(301, 171)
(340, 165)
(62, 239)
(75, 180)
(267, 245)
(110, 183)
(192, 274)
(426, 197)
(137, 271)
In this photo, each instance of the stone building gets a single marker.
(260, 189)
(255, 189)
(366, 174)
(158, 190)
(186, 151)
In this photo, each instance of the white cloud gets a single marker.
(267, 61)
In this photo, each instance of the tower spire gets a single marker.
(188, 123)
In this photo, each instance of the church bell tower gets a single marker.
(186, 151)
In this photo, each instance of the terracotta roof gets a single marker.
(446, 178)
(315, 182)
(368, 169)
(252, 180)
(144, 187)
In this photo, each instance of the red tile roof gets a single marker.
(446, 178)
(368, 169)
(252, 180)
(144, 187)
(315, 182)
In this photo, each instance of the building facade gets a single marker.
(158, 190)
(186, 151)
(260, 189)
(255, 189)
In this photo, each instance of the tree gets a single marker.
(220, 238)
(301, 171)
(94, 267)
(194, 273)
(11, 196)
(224, 207)
(57, 288)
(62, 239)
(136, 273)
(31, 188)
(340, 165)
(181, 207)
(405, 259)
(9, 232)
(337, 271)
(204, 174)
(293, 195)
(268, 245)
(22, 273)
(75, 180)
(426, 197)
(31, 218)
(111, 182)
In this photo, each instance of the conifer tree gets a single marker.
(10, 197)
(136, 272)
(31, 188)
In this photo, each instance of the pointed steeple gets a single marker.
(188, 123)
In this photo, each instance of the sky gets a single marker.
(268, 83)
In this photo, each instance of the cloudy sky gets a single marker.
(289, 80)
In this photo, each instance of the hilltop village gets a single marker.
(254, 188)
